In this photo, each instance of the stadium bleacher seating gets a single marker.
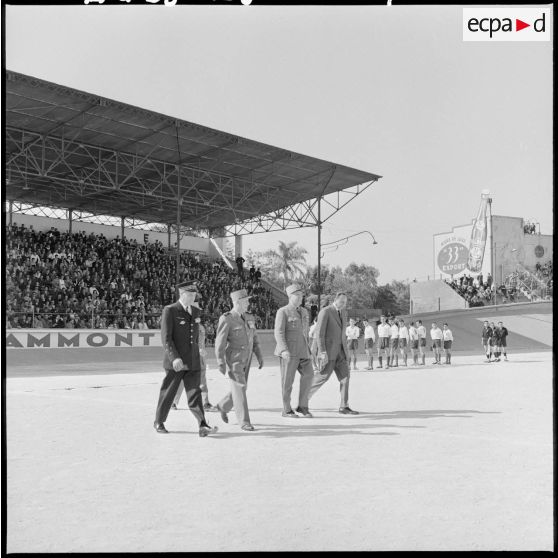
(75, 280)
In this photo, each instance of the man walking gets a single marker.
(235, 342)
(180, 338)
(353, 333)
(292, 348)
(369, 338)
(333, 351)
(207, 406)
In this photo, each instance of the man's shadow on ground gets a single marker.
(303, 427)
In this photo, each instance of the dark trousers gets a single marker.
(341, 369)
(169, 387)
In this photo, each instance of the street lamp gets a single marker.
(335, 245)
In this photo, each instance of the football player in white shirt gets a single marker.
(448, 340)
(436, 335)
(422, 340)
(393, 343)
(383, 340)
(414, 342)
(353, 332)
(403, 339)
(313, 344)
(369, 338)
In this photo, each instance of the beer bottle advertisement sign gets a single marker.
(452, 258)
(477, 243)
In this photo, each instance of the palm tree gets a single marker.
(289, 261)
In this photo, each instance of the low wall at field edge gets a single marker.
(100, 338)
(433, 296)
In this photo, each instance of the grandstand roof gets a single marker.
(71, 149)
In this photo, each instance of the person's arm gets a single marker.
(221, 343)
(257, 350)
(279, 333)
(166, 337)
(320, 332)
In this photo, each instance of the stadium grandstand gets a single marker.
(79, 158)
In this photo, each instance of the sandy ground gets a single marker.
(440, 458)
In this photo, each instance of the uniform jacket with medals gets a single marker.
(236, 340)
(291, 331)
(330, 334)
(180, 335)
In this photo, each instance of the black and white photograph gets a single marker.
(277, 277)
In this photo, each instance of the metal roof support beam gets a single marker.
(304, 214)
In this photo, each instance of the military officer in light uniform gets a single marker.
(291, 337)
(235, 342)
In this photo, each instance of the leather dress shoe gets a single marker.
(205, 430)
(224, 416)
(247, 428)
(304, 412)
(347, 411)
(160, 428)
(290, 414)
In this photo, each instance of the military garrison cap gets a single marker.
(294, 288)
(240, 294)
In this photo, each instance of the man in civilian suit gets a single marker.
(333, 351)
(291, 337)
(180, 336)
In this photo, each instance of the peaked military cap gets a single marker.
(188, 286)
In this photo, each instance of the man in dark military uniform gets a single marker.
(235, 341)
(180, 335)
(291, 336)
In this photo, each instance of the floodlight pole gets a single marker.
(319, 252)
(178, 204)
(177, 280)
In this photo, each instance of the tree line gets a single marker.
(288, 263)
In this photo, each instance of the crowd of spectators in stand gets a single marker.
(544, 271)
(507, 294)
(477, 291)
(530, 228)
(76, 280)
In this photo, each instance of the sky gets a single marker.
(393, 90)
